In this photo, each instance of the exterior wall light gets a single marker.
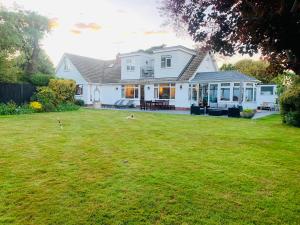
(180, 86)
(148, 87)
(117, 88)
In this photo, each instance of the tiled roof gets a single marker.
(148, 80)
(223, 76)
(192, 66)
(95, 70)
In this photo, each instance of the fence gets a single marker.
(19, 93)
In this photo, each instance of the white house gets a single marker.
(178, 74)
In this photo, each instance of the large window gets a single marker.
(130, 68)
(249, 95)
(130, 91)
(213, 93)
(193, 90)
(166, 61)
(164, 91)
(225, 91)
(236, 92)
(267, 90)
(79, 89)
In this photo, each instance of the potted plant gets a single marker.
(248, 113)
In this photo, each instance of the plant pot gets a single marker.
(247, 115)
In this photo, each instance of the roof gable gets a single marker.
(95, 70)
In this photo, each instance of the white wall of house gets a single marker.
(182, 95)
(73, 74)
(138, 61)
(109, 94)
(179, 60)
(207, 65)
(264, 97)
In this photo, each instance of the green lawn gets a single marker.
(102, 168)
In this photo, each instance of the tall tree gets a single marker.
(243, 26)
(27, 29)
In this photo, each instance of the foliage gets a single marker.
(248, 113)
(22, 31)
(284, 80)
(11, 109)
(227, 67)
(245, 27)
(68, 106)
(40, 79)
(79, 102)
(98, 161)
(47, 97)
(290, 104)
(63, 89)
(257, 69)
(9, 73)
(37, 106)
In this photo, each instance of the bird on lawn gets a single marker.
(60, 124)
(130, 117)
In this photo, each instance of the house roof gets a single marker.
(149, 80)
(223, 76)
(95, 70)
(192, 66)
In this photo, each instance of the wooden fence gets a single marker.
(19, 93)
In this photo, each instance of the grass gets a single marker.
(102, 168)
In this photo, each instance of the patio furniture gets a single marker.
(234, 112)
(142, 105)
(197, 110)
(215, 112)
(118, 103)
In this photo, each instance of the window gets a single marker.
(79, 89)
(225, 91)
(236, 94)
(130, 68)
(193, 92)
(213, 93)
(166, 61)
(164, 91)
(249, 95)
(130, 91)
(267, 90)
(66, 65)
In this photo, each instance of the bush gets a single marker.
(248, 113)
(46, 96)
(63, 89)
(40, 79)
(8, 109)
(36, 106)
(290, 105)
(79, 102)
(11, 109)
(68, 106)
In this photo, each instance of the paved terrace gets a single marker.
(257, 115)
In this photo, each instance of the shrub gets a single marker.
(24, 109)
(290, 105)
(8, 109)
(36, 106)
(46, 96)
(248, 113)
(79, 102)
(40, 79)
(68, 106)
(63, 89)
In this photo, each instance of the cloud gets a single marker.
(90, 26)
(53, 23)
(156, 32)
(76, 32)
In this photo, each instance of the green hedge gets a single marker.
(290, 105)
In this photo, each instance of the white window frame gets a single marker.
(225, 87)
(67, 66)
(172, 87)
(136, 92)
(80, 87)
(164, 61)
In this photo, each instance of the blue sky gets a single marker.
(102, 28)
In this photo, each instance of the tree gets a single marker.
(27, 29)
(227, 67)
(243, 26)
(9, 72)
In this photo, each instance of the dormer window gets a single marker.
(130, 68)
(66, 65)
(166, 61)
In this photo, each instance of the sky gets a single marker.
(103, 28)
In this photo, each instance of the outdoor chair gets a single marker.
(142, 105)
(234, 112)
